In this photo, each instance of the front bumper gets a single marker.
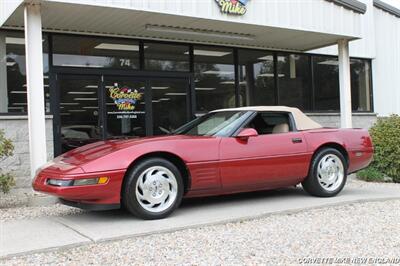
(109, 193)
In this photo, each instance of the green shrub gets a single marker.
(6, 149)
(370, 174)
(386, 138)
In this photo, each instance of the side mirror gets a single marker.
(246, 133)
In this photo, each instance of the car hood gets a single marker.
(88, 153)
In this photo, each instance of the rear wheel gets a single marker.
(327, 175)
(153, 189)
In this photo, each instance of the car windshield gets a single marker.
(214, 124)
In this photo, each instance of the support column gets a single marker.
(344, 84)
(3, 74)
(34, 81)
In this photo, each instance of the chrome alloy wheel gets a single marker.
(330, 172)
(156, 189)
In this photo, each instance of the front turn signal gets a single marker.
(102, 180)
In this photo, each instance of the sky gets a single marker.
(395, 3)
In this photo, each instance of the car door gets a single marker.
(267, 160)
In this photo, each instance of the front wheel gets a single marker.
(327, 175)
(153, 189)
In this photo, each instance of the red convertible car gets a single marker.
(224, 151)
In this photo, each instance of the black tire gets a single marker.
(312, 185)
(129, 198)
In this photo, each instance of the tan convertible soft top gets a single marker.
(302, 121)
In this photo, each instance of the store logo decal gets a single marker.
(125, 98)
(233, 7)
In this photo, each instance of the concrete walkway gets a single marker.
(27, 236)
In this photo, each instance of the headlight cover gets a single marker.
(59, 182)
(77, 182)
(86, 181)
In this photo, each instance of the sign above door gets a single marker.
(232, 7)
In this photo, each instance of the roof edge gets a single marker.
(354, 5)
(386, 7)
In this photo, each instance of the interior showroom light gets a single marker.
(116, 46)
(15, 40)
(199, 32)
(159, 88)
(175, 94)
(209, 53)
(81, 92)
(205, 89)
(216, 72)
(331, 62)
(85, 99)
(79, 65)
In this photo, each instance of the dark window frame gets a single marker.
(134, 72)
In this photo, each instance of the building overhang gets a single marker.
(266, 25)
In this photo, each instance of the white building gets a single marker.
(73, 72)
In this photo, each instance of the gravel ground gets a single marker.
(360, 230)
(36, 212)
(16, 198)
(18, 205)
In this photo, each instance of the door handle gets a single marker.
(297, 140)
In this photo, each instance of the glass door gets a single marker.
(78, 108)
(170, 104)
(125, 107)
(90, 108)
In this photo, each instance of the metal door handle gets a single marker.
(297, 140)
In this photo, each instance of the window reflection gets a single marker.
(76, 51)
(256, 78)
(13, 88)
(79, 111)
(214, 78)
(294, 80)
(169, 104)
(327, 93)
(360, 84)
(326, 80)
(166, 57)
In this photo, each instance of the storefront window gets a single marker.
(214, 78)
(326, 82)
(13, 89)
(169, 102)
(327, 93)
(294, 80)
(166, 57)
(360, 84)
(256, 78)
(93, 52)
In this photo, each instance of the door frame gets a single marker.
(102, 74)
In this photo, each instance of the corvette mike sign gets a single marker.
(232, 7)
(125, 98)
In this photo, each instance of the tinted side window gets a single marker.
(271, 123)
